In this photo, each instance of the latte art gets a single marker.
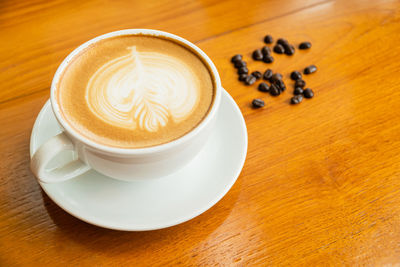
(142, 89)
(135, 91)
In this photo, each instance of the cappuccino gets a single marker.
(135, 91)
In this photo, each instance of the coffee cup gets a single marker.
(132, 104)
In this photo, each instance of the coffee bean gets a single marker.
(310, 69)
(279, 49)
(285, 45)
(257, 55)
(242, 77)
(281, 41)
(268, 39)
(236, 58)
(240, 63)
(256, 74)
(305, 45)
(250, 80)
(274, 90)
(275, 77)
(268, 59)
(266, 50)
(263, 87)
(300, 83)
(243, 70)
(296, 99)
(258, 103)
(289, 50)
(281, 85)
(295, 75)
(268, 74)
(308, 93)
(298, 91)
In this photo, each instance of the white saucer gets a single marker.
(159, 203)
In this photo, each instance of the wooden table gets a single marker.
(321, 183)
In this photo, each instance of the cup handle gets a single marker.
(48, 151)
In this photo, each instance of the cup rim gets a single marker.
(145, 150)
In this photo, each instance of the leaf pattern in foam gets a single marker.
(142, 89)
(150, 113)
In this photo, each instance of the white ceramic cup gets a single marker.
(121, 163)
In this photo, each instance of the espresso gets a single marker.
(135, 91)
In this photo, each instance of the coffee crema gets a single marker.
(135, 91)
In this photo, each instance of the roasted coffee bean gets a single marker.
(285, 45)
(298, 91)
(296, 99)
(257, 54)
(268, 74)
(243, 70)
(281, 85)
(236, 58)
(263, 87)
(266, 50)
(300, 83)
(240, 63)
(274, 90)
(256, 74)
(281, 41)
(295, 75)
(275, 77)
(305, 45)
(258, 103)
(289, 50)
(310, 69)
(268, 59)
(268, 39)
(279, 49)
(250, 80)
(308, 93)
(242, 77)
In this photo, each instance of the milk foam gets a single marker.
(142, 90)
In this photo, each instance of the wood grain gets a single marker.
(321, 183)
